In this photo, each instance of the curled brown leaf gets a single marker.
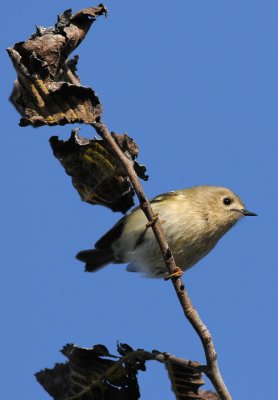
(185, 381)
(90, 374)
(48, 91)
(96, 173)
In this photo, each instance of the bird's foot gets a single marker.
(177, 273)
(152, 221)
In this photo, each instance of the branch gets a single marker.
(134, 356)
(212, 369)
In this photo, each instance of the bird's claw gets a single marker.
(152, 221)
(177, 273)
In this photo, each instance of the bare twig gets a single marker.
(142, 355)
(212, 370)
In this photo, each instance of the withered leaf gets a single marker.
(185, 381)
(96, 173)
(90, 375)
(48, 91)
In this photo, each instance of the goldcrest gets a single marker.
(193, 221)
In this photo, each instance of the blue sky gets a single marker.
(195, 84)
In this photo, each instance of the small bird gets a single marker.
(193, 221)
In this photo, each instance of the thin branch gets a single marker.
(212, 370)
(142, 355)
(147, 356)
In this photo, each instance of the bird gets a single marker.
(193, 220)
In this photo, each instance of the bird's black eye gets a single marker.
(227, 201)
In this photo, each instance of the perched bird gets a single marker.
(193, 221)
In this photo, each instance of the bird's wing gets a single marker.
(107, 240)
(165, 196)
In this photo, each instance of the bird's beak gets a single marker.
(248, 213)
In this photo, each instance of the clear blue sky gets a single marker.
(195, 84)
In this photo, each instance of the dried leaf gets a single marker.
(90, 375)
(96, 173)
(185, 381)
(48, 91)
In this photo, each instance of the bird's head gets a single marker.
(219, 206)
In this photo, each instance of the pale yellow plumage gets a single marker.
(193, 221)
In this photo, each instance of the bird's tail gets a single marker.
(95, 259)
